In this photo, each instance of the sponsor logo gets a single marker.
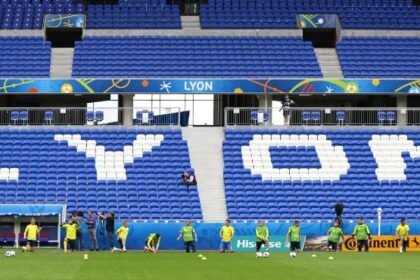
(386, 243)
(248, 243)
(251, 244)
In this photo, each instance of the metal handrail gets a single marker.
(89, 116)
(317, 116)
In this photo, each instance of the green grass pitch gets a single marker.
(53, 264)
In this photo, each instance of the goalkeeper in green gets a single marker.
(362, 233)
(334, 235)
(262, 236)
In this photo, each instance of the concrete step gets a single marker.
(58, 67)
(329, 62)
(331, 67)
(206, 143)
(61, 62)
(190, 22)
(195, 19)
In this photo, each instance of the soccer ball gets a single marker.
(10, 254)
(259, 255)
(266, 254)
(292, 254)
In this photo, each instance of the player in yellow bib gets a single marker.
(31, 235)
(122, 234)
(70, 239)
(226, 234)
(152, 242)
(402, 235)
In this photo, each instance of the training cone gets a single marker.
(85, 257)
(204, 259)
(200, 255)
(313, 256)
(331, 258)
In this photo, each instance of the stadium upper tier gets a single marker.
(29, 14)
(303, 173)
(24, 57)
(353, 14)
(379, 56)
(217, 14)
(134, 14)
(127, 14)
(135, 172)
(195, 57)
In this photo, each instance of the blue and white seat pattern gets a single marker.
(134, 172)
(303, 173)
(257, 158)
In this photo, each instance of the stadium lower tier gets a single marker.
(303, 173)
(134, 172)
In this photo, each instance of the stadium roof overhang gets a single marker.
(96, 86)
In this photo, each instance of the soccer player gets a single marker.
(122, 234)
(189, 236)
(71, 234)
(402, 235)
(31, 236)
(362, 233)
(334, 234)
(262, 236)
(226, 234)
(293, 236)
(152, 243)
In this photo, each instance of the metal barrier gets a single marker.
(322, 116)
(90, 116)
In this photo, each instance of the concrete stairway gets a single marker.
(61, 62)
(190, 22)
(205, 147)
(329, 62)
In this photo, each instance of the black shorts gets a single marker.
(31, 243)
(363, 243)
(294, 245)
(71, 244)
(332, 245)
(259, 244)
(404, 244)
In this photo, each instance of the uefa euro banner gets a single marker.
(247, 243)
(67, 21)
(383, 243)
(210, 86)
(319, 21)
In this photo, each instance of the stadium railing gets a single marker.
(316, 116)
(90, 116)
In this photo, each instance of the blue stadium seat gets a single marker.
(72, 178)
(150, 56)
(372, 14)
(24, 56)
(379, 57)
(313, 197)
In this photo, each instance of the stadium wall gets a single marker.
(208, 233)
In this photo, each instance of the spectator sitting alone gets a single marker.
(189, 179)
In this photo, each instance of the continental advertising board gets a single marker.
(383, 243)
